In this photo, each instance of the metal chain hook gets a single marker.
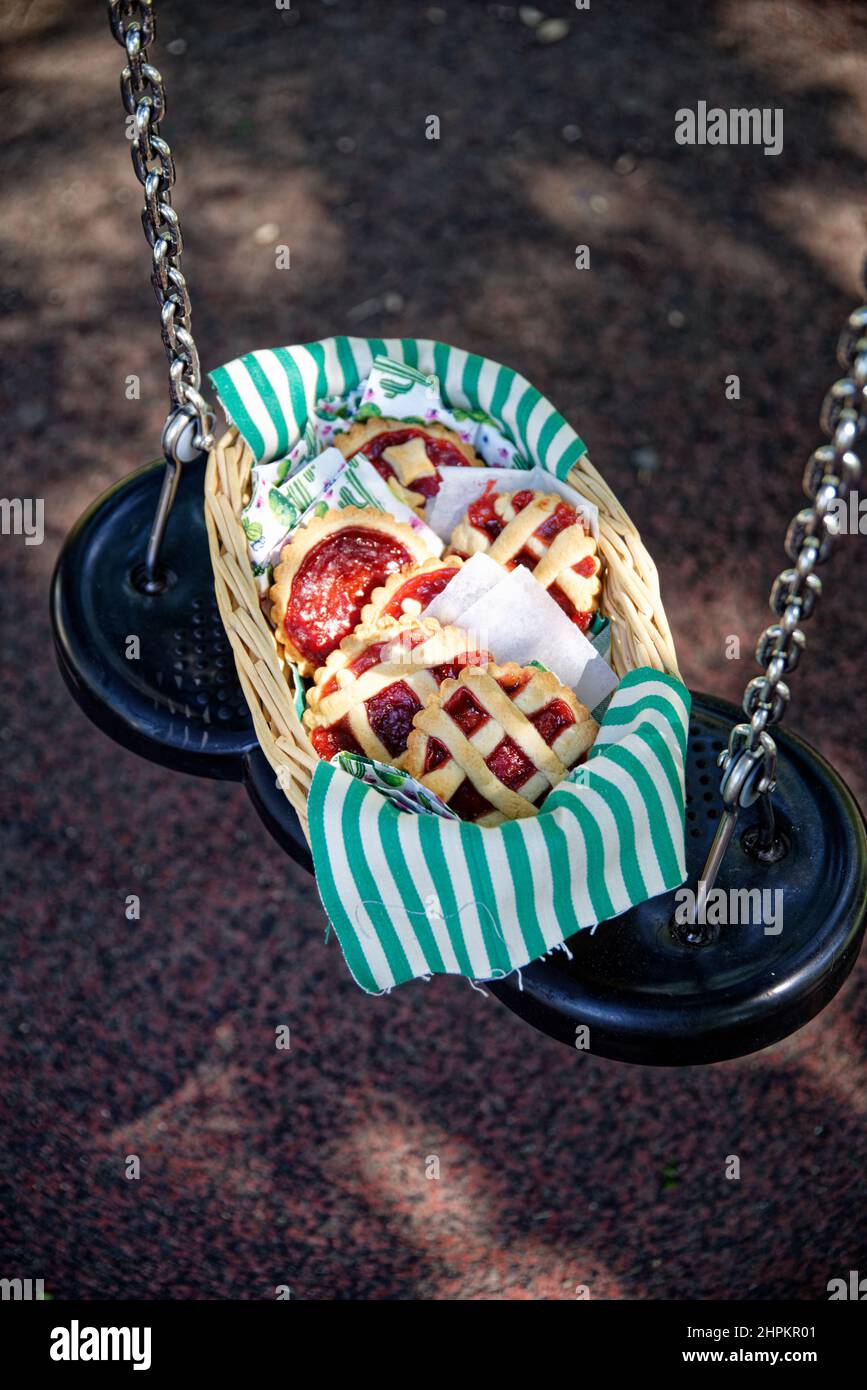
(189, 424)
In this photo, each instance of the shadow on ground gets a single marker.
(306, 127)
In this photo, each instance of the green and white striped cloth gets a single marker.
(417, 895)
(269, 395)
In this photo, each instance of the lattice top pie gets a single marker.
(493, 742)
(541, 531)
(327, 573)
(408, 456)
(409, 591)
(365, 696)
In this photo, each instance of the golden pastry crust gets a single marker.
(505, 716)
(353, 440)
(571, 548)
(570, 560)
(306, 538)
(409, 652)
(383, 597)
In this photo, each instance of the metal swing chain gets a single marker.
(749, 762)
(188, 426)
(833, 470)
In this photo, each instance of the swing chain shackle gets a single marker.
(188, 430)
(133, 25)
(832, 471)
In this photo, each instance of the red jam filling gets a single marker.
(552, 719)
(468, 803)
(435, 755)
(522, 499)
(465, 712)
(525, 558)
(581, 619)
(562, 516)
(586, 567)
(334, 583)
(336, 739)
(482, 516)
(441, 453)
(391, 713)
(514, 684)
(450, 670)
(423, 587)
(510, 764)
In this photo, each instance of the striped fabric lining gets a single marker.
(268, 395)
(413, 896)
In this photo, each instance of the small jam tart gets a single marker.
(365, 696)
(327, 573)
(542, 532)
(409, 591)
(408, 456)
(495, 741)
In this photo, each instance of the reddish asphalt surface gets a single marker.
(307, 1167)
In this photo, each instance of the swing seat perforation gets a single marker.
(173, 695)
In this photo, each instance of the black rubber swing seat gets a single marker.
(647, 996)
(174, 698)
(641, 993)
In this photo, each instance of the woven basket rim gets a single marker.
(631, 599)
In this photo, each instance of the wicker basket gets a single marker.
(640, 634)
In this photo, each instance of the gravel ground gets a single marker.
(307, 1168)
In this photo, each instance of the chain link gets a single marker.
(749, 762)
(144, 98)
